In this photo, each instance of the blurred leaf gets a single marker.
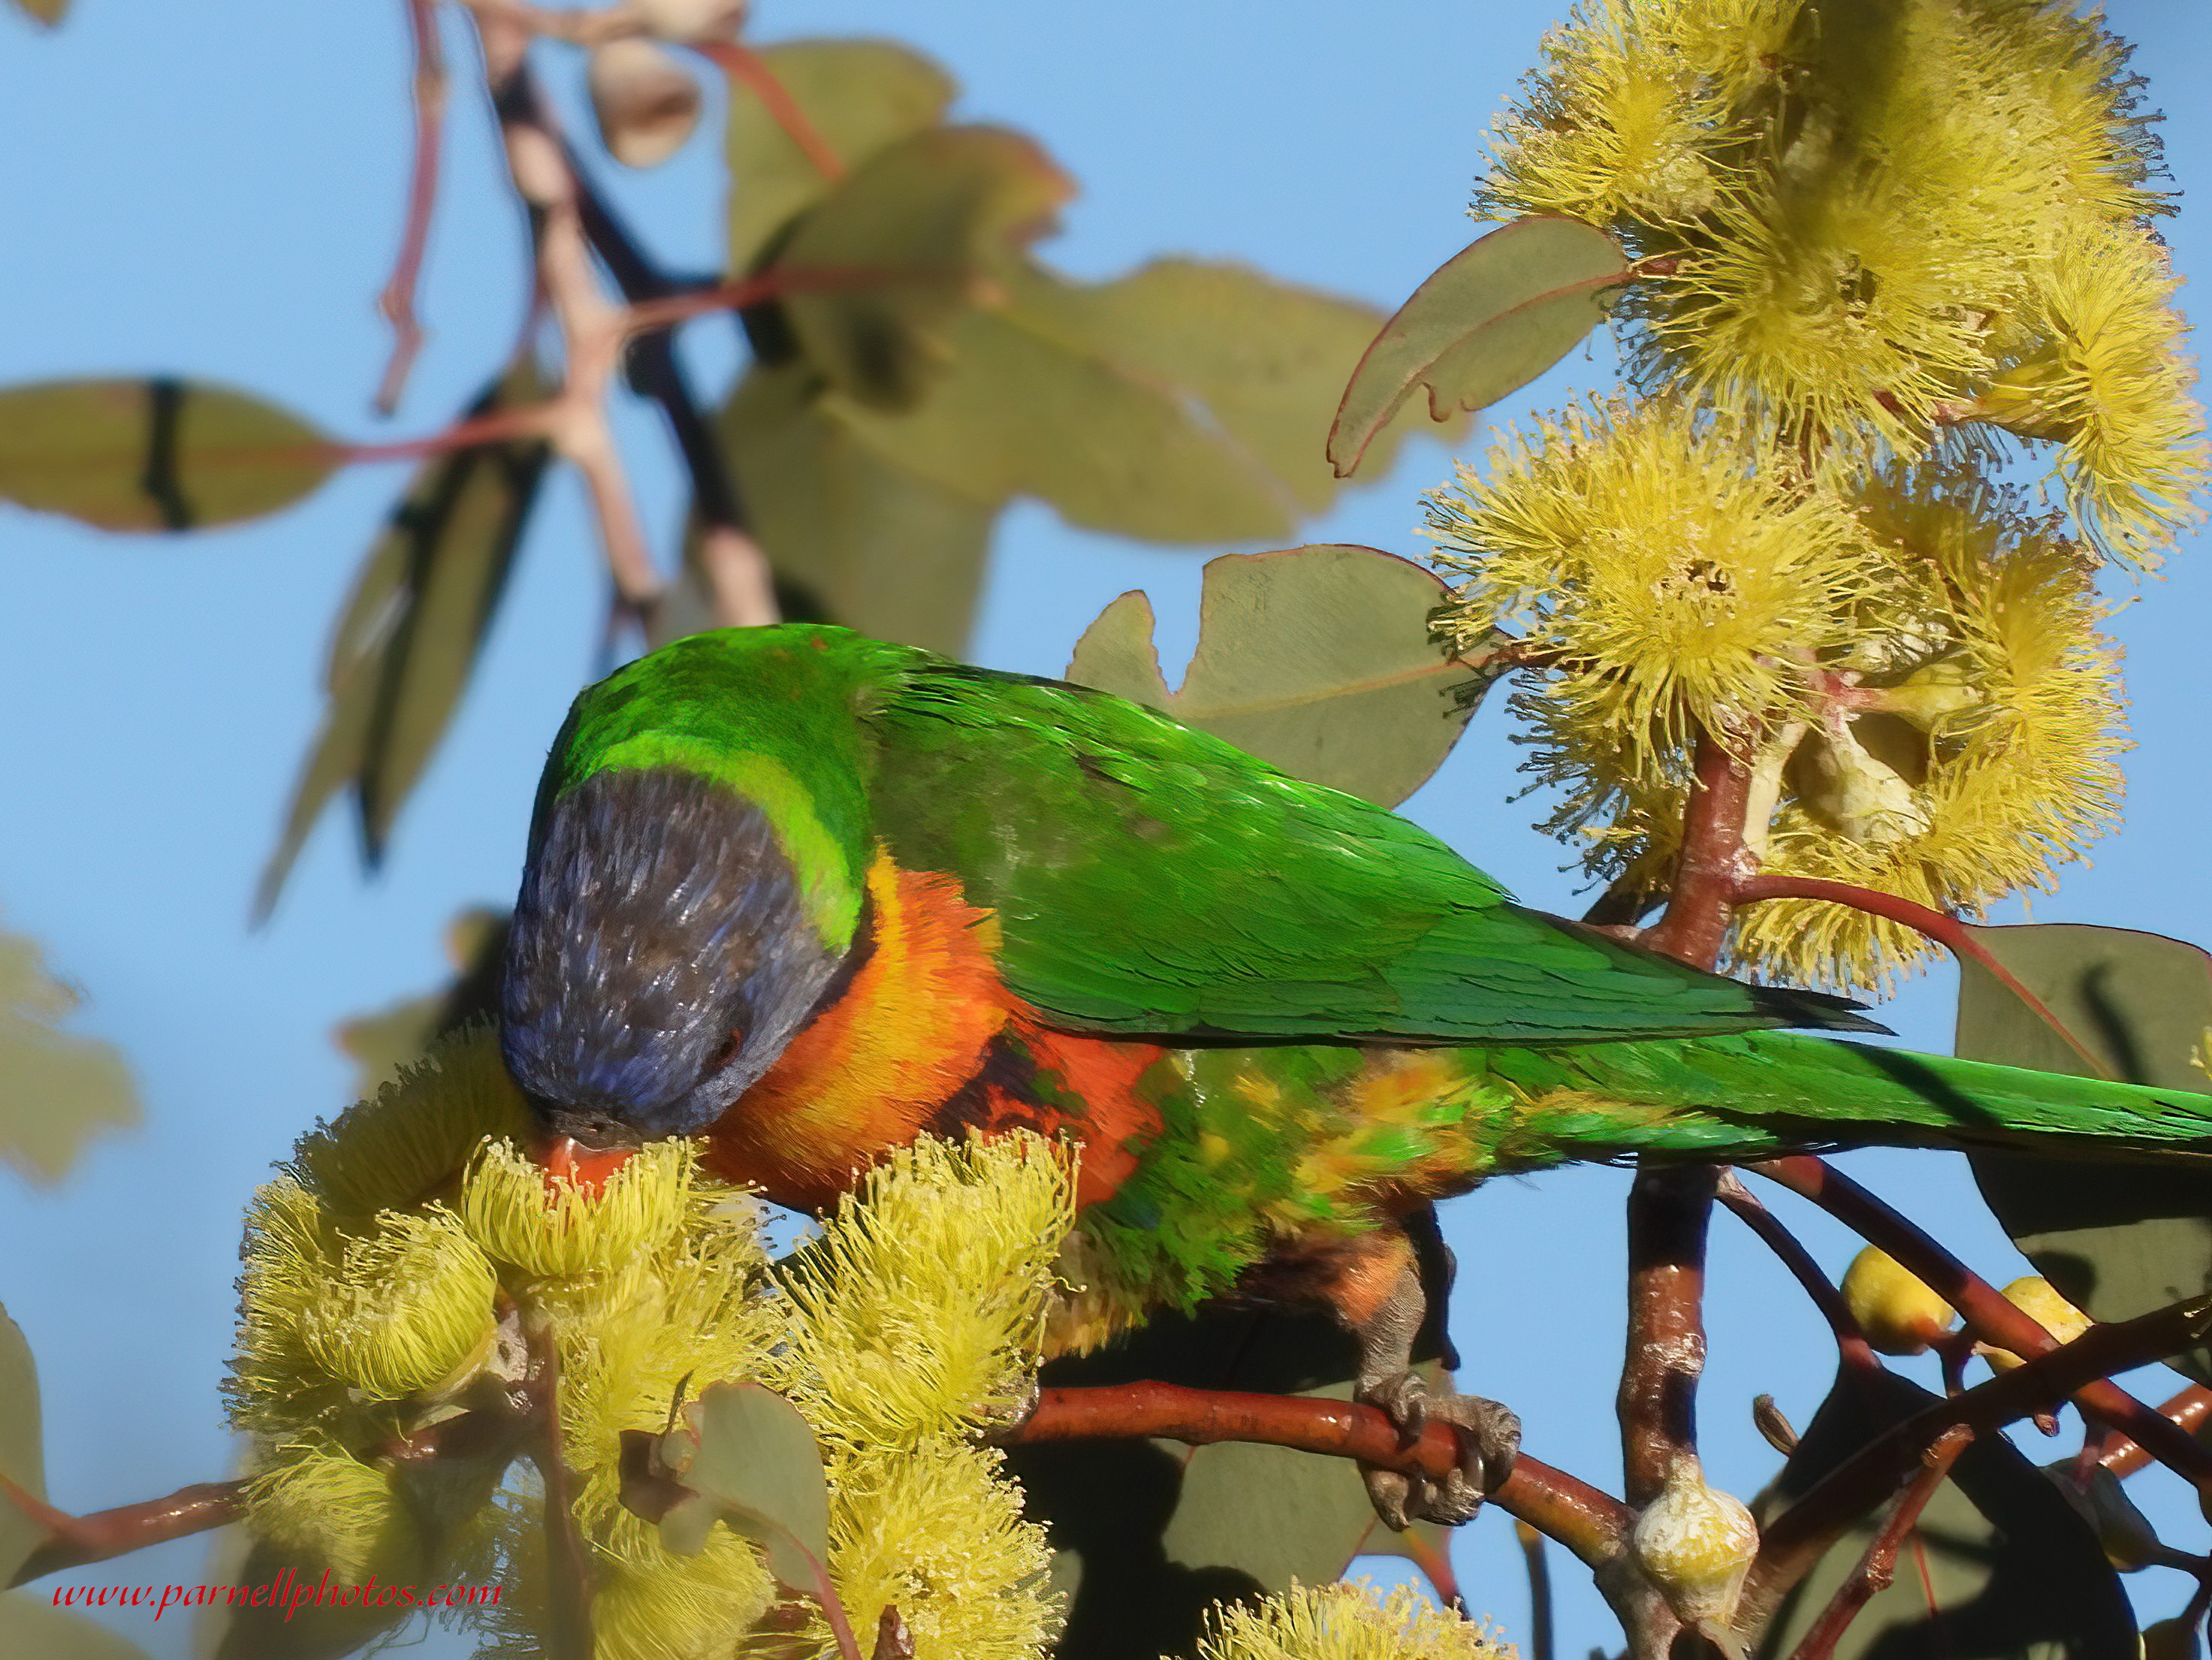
(32, 1628)
(410, 633)
(397, 1036)
(1098, 399)
(853, 538)
(49, 12)
(2118, 1237)
(924, 215)
(55, 1089)
(860, 94)
(154, 454)
(1490, 319)
(22, 1446)
(2012, 1567)
(1317, 660)
(1150, 1535)
(750, 1455)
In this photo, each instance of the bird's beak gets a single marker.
(564, 1158)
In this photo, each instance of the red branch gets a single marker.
(1858, 1355)
(73, 1540)
(1878, 1566)
(397, 302)
(1948, 932)
(744, 64)
(2186, 1411)
(1713, 864)
(1669, 1209)
(1588, 1522)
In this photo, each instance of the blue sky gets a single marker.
(215, 191)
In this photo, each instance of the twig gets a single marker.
(1541, 1643)
(1668, 1207)
(72, 1541)
(1435, 1567)
(743, 63)
(397, 301)
(1713, 864)
(1794, 1541)
(1878, 1565)
(1858, 1356)
(1591, 1524)
(578, 28)
(1948, 932)
(592, 329)
(1985, 1311)
(2186, 1411)
(569, 1563)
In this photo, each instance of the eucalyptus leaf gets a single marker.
(390, 1038)
(1319, 659)
(22, 1447)
(859, 96)
(2013, 1570)
(2117, 1237)
(32, 1628)
(56, 1090)
(1490, 319)
(413, 627)
(756, 1461)
(156, 454)
(49, 12)
(852, 537)
(919, 224)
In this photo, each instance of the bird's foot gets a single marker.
(1488, 1446)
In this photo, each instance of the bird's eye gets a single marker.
(727, 1053)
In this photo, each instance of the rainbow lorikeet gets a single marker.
(808, 896)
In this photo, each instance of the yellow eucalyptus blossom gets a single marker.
(330, 1509)
(1677, 581)
(554, 1227)
(1347, 1622)
(410, 1310)
(936, 1531)
(921, 1308)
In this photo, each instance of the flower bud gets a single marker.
(2128, 1540)
(2170, 1639)
(1898, 1310)
(690, 20)
(1852, 792)
(647, 104)
(2032, 1295)
(1695, 1544)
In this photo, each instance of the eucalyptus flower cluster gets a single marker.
(408, 1271)
(1887, 258)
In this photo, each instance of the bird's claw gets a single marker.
(1490, 1443)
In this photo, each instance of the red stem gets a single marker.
(1713, 864)
(397, 301)
(1587, 1522)
(2186, 1411)
(1946, 931)
(1669, 1209)
(742, 64)
(74, 1540)
(1878, 1565)
(1858, 1355)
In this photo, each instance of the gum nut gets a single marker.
(2170, 1639)
(647, 103)
(690, 20)
(1695, 1543)
(2032, 1295)
(1899, 1311)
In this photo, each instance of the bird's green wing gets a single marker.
(1149, 878)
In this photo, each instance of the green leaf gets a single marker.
(32, 1628)
(2117, 1237)
(1490, 319)
(1176, 406)
(49, 12)
(55, 1089)
(156, 454)
(2014, 1569)
(753, 1456)
(408, 638)
(851, 539)
(859, 95)
(22, 1447)
(922, 219)
(1318, 659)
(1149, 1535)
(382, 1042)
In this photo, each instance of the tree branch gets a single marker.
(397, 301)
(1591, 1524)
(569, 1563)
(2187, 1411)
(72, 1541)
(1669, 1209)
(1858, 1356)
(1713, 863)
(1878, 1565)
